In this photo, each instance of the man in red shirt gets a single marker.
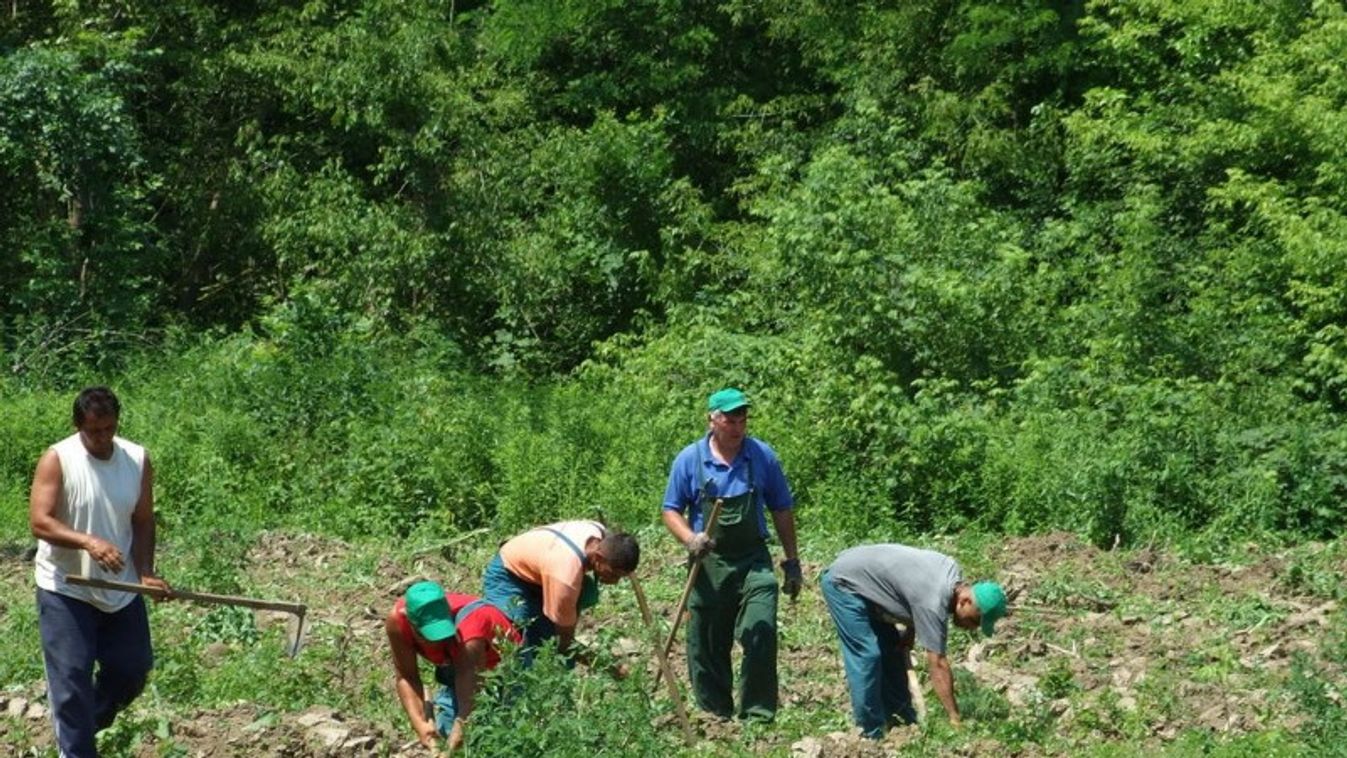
(458, 635)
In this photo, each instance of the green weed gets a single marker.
(547, 709)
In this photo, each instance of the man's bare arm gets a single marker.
(44, 502)
(407, 684)
(942, 681)
(784, 521)
(467, 679)
(142, 530)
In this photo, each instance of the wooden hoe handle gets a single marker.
(663, 660)
(687, 589)
(202, 597)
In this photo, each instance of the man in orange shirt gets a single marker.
(458, 634)
(539, 578)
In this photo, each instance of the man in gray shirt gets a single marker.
(871, 588)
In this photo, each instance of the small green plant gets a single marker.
(1317, 573)
(549, 709)
(1320, 699)
(146, 719)
(1073, 592)
(228, 624)
(1058, 682)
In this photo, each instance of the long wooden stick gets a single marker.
(687, 589)
(915, 694)
(201, 597)
(663, 659)
(298, 609)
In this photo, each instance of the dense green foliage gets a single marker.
(1012, 264)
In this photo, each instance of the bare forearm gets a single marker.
(565, 636)
(51, 529)
(677, 525)
(413, 702)
(465, 689)
(142, 523)
(142, 546)
(942, 681)
(784, 521)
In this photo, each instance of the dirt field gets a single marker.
(1127, 647)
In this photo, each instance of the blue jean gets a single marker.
(522, 602)
(446, 700)
(76, 636)
(875, 664)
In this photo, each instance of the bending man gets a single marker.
(457, 634)
(871, 588)
(542, 578)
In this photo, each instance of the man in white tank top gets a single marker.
(92, 511)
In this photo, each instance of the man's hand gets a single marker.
(427, 734)
(455, 737)
(150, 580)
(699, 544)
(104, 553)
(794, 577)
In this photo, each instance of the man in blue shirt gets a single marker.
(735, 593)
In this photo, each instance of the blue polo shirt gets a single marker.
(695, 464)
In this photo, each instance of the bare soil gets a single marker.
(1128, 646)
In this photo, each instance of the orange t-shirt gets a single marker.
(542, 558)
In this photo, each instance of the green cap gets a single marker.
(589, 592)
(727, 400)
(428, 610)
(991, 600)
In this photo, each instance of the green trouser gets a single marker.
(734, 598)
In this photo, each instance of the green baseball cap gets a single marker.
(589, 592)
(727, 400)
(428, 610)
(991, 600)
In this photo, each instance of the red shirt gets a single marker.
(483, 623)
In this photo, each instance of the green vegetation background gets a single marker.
(401, 269)
(384, 266)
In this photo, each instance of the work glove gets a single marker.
(699, 544)
(794, 577)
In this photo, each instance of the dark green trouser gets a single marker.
(734, 598)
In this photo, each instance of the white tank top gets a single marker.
(97, 497)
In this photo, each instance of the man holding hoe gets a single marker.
(458, 634)
(92, 511)
(871, 588)
(734, 594)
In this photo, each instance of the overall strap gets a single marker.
(706, 478)
(701, 469)
(467, 609)
(574, 548)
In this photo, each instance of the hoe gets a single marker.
(298, 609)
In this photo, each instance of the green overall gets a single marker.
(734, 598)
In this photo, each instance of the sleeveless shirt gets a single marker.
(97, 497)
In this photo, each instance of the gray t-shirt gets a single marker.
(912, 585)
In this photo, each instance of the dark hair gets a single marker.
(621, 551)
(96, 401)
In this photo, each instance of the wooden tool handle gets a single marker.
(663, 660)
(687, 589)
(202, 597)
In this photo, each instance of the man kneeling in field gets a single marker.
(457, 633)
(871, 588)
